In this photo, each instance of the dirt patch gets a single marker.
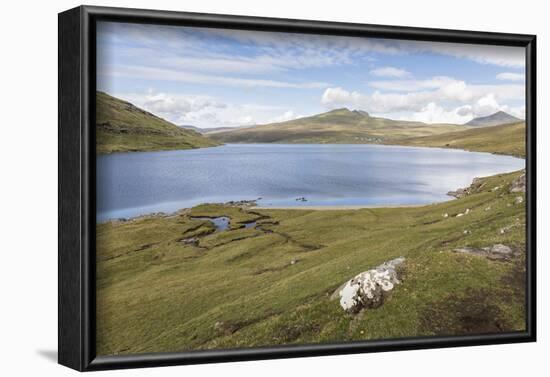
(449, 241)
(474, 312)
(136, 250)
(292, 332)
(229, 328)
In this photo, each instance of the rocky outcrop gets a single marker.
(242, 203)
(462, 192)
(369, 288)
(518, 184)
(496, 252)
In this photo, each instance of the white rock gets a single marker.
(500, 249)
(368, 289)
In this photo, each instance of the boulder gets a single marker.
(518, 185)
(369, 288)
(462, 192)
(459, 193)
(500, 249)
(496, 252)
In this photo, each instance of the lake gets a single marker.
(133, 184)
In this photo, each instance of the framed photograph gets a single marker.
(239, 188)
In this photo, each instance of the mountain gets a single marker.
(205, 131)
(502, 139)
(500, 117)
(336, 126)
(123, 127)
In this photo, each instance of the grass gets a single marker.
(504, 139)
(341, 126)
(174, 283)
(123, 127)
(272, 285)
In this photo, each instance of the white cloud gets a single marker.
(433, 113)
(161, 74)
(412, 85)
(510, 76)
(286, 116)
(389, 72)
(204, 111)
(504, 56)
(487, 105)
(193, 49)
(439, 99)
(190, 53)
(452, 89)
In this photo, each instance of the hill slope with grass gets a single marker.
(173, 283)
(123, 127)
(504, 139)
(342, 126)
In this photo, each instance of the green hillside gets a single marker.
(172, 283)
(123, 127)
(504, 139)
(337, 126)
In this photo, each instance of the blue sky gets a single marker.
(216, 77)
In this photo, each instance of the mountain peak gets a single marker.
(339, 110)
(500, 117)
(345, 111)
(362, 112)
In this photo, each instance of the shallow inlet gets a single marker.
(133, 184)
(221, 223)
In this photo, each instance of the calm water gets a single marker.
(132, 184)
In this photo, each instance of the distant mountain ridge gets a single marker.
(500, 117)
(124, 127)
(206, 130)
(341, 126)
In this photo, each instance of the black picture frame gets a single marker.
(77, 156)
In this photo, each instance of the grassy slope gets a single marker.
(123, 127)
(238, 288)
(337, 126)
(504, 139)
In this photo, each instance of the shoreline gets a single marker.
(287, 143)
(261, 208)
(346, 207)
